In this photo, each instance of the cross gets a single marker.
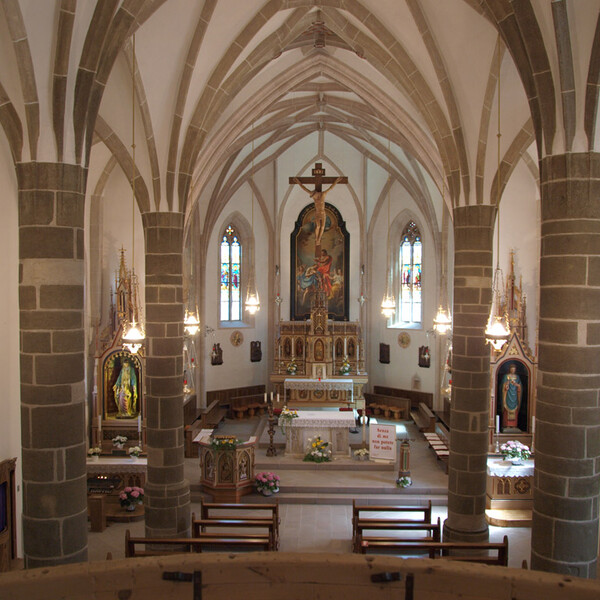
(318, 195)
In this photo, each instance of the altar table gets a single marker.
(509, 487)
(331, 426)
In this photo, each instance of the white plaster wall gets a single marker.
(10, 399)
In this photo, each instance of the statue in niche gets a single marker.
(125, 390)
(351, 347)
(339, 348)
(299, 347)
(319, 350)
(287, 347)
(512, 391)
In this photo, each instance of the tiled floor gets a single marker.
(308, 522)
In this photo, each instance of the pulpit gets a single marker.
(227, 474)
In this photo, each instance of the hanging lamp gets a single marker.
(133, 336)
(252, 301)
(497, 331)
(388, 304)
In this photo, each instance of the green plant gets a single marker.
(134, 451)
(403, 482)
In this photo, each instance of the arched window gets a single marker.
(410, 259)
(231, 276)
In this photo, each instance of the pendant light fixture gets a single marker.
(442, 322)
(497, 331)
(133, 336)
(388, 304)
(252, 301)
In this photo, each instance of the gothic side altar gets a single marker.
(331, 426)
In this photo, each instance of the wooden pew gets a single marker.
(496, 552)
(424, 418)
(423, 515)
(222, 510)
(207, 542)
(411, 532)
(267, 525)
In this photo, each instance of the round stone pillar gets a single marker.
(467, 467)
(51, 283)
(567, 440)
(167, 492)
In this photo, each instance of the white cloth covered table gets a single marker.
(331, 426)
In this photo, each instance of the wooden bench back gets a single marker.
(425, 510)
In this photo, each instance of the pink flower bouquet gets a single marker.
(267, 481)
(131, 496)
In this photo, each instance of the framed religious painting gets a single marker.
(329, 271)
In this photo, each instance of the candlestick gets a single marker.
(99, 424)
(265, 397)
(139, 423)
(497, 423)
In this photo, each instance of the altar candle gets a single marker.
(357, 353)
(139, 423)
(497, 423)
(345, 346)
(293, 344)
(265, 397)
(277, 397)
(271, 397)
(99, 424)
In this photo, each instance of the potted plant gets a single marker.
(403, 482)
(94, 452)
(119, 441)
(130, 497)
(317, 450)
(267, 483)
(134, 452)
(362, 454)
(515, 451)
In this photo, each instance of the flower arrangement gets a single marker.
(317, 450)
(224, 442)
(345, 368)
(292, 367)
(362, 453)
(130, 496)
(267, 482)
(119, 440)
(134, 451)
(515, 451)
(95, 451)
(403, 482)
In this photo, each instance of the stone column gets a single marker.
(167, 497)
(467, 472)
(567, 442)
(51, 282)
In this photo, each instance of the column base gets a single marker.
(456, 535)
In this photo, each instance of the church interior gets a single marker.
(229, 227)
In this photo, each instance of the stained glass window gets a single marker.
(231, 272)
(411, 253)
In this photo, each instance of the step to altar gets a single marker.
(508, 518)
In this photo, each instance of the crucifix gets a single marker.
(318, 196)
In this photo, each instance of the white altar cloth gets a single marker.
(498, 467)
(331, 426)
(305, 383)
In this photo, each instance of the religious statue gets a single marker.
(512, 392)
(125, 390)
(319, 200)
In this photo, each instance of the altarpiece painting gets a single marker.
(330, 269)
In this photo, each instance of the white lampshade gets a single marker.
(388, 306)
(133, 338)
(442, 322)
(191, 323)
(497, 332)
(252, 302)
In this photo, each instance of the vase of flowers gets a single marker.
(134, 453)
(286, 417)
(267, 483)
(317, 450)
(131, 496)
(345, 368)
(362, 454)
(515, 451)
(94, 453)
(292, 367)
(119, 441)
(224, 442)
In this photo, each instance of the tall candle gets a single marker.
(357, 355)
(345, 346)
(293, 344)
(271, 397)
(139, 423)
(277, 397)
(497, 423)
(99, 424)
(265, 397)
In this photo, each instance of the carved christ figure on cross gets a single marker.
(318, 196)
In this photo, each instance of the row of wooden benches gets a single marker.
(252, 532)
(259, 532)
(409, 521)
